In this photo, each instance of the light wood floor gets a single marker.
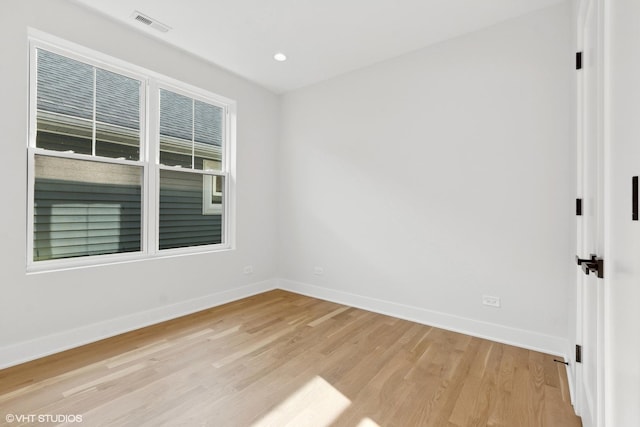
(281, 359)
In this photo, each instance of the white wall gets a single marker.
(46, 312)
(421, 183)
(622, 357)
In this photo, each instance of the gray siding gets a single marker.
(181, 220)
(73, 219)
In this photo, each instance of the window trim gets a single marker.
(149, 159)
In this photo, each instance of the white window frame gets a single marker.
(149, 160)
(225, 164)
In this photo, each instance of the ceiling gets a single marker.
(321, 38)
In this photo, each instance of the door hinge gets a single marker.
(579, 207)
(634, 198)
(578, 353)
(578, 60)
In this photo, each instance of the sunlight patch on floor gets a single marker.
(316, 404)
(367, 422)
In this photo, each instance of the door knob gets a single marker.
(592, 265)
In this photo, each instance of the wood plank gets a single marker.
(328, 316)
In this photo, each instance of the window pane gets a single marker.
(65, 104)
(65, 86)
(191, 132)
(118, 115)
(117, 99)
(85, 208)
(66, 108)
(183, 217)
(176, 129)
(116, 142)
(63, 133)
(208, 134)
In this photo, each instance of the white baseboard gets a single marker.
(15, 354)
(571, 382)
(572, 367)
(549, 344)
(33, 349)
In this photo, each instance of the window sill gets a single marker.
(53, 266)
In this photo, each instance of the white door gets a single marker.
(590, 288)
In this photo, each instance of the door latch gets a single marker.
(592, 265)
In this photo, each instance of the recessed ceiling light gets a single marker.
(280, 57)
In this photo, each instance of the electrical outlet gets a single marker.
(248, 269)
(318, 271)
(491, 301)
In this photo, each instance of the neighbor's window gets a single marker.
(99, 182)
(212, 191)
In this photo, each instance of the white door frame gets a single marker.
(602, 111)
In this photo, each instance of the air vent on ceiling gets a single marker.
(141, 17)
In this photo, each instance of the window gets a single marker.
(192, 191)
(88, 174)
(101, 186)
